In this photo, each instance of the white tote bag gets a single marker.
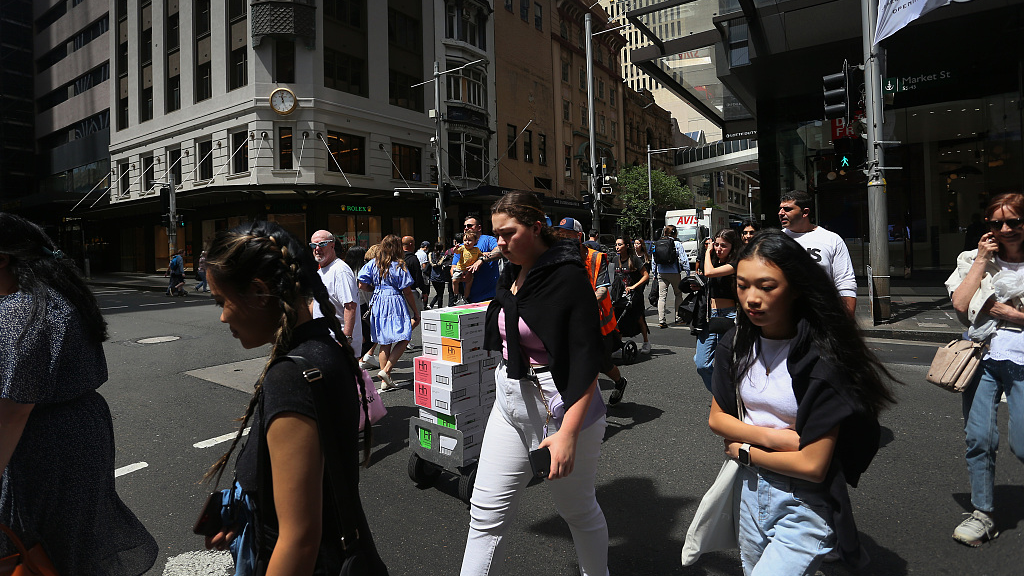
(716, 524)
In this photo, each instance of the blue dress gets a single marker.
(390, 320)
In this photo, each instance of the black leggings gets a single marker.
(438, 299)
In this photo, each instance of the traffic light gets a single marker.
(165, 220)
(165, 199)
(181, 220)
(609, 180)
(837, 94)
(588, 200)
(437, 215)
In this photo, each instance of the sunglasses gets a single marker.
(1013, 223)
(468, 226)
(321, 244)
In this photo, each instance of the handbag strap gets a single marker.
(327, 431)
(17, 541)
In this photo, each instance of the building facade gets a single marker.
(311, 114)
(952, 122)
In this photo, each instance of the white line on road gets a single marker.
(129, 469)
(112, 307)
(157, 304)
(219, 439)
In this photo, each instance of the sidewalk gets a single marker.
(920, 308)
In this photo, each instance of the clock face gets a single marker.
(282, 101)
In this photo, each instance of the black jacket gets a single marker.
(415, 270)
(558, 303)
(823, 402)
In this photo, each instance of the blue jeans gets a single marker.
(706, 344)
(784, 525)
(981, 405)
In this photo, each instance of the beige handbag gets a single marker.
(956, 364)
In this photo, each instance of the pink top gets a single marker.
(529, 342)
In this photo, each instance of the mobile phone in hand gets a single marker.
(209, 521)
(540, 462)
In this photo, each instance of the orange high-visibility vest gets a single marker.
(593, 265)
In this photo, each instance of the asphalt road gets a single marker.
(657, 460)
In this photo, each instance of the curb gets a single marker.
(142, 287)
(914, 335)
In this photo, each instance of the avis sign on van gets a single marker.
(690, 220)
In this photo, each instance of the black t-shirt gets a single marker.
(286, 390)
(631, 270)
(415, 270)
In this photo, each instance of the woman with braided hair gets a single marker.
(262, 276)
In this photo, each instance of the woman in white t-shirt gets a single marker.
(811, 392)
(1002, 368)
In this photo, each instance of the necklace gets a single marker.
(768, 364)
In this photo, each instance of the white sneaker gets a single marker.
(976, 529)
(367, 362)
(646, 348)
(385, 381)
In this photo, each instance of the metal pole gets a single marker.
(172, 231)
(878, 212)
(650, 200)
(437, 152)
(590, 122)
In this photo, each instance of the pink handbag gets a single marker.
(373, 401)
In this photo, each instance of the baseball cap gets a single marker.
(570, 224)
(424, 244)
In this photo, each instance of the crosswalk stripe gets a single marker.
(129, 469)
(219, 439)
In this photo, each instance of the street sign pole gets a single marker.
(596, 224)
(878, 210)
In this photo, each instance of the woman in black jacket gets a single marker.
(811, 393)
(544, 322)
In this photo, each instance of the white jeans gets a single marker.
(515, 427)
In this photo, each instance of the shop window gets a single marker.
(355, 230)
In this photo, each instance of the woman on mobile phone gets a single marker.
(720, 270)
(971, 289)
(811, 392)
(261, 276)
(544, 321)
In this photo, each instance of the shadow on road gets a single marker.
(626, 416)
(1009, 506)
(884, 562)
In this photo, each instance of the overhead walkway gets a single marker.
(716, 156)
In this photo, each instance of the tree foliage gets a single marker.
(666, 194)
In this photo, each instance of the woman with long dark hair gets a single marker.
(56, 432)
(972, 288)
(748, 229)
(810, 392)
(544, 322)
(261, 276)
(394, 313)
(440, 273)
(632, 271)
(720, 269)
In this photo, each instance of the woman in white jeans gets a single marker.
(546, 390)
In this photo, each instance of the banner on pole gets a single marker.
(894, 15)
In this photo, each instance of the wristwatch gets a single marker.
(744, 454)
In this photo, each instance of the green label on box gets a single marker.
(425, 438)
(446, 421)
(450, 324)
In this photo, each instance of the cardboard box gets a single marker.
(487, 397)
(470, 445)
(430, 321)
(471, 421)
(462, 324)
(462, 351)
(433, 371)
(447, 399)
(488, 366)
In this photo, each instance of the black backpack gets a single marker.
(665, 251)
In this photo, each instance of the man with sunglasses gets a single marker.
(485, 269)
(826, 248)
(341, 286)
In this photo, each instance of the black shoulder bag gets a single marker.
(359, 555)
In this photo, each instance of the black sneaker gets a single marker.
(662, 325)
(620, 389)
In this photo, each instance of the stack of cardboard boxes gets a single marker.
(453, 384)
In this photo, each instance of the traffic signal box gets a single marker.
(453, 383)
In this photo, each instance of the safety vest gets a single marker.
(593, 265)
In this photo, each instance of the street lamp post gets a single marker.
(650, 187)
(437, 116)
(596, 210)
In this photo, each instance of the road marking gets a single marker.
(158, 339)
(237, 375)
(113, 307)
(129, 469)
(205, 562)
(220, 439)
(157, 304)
